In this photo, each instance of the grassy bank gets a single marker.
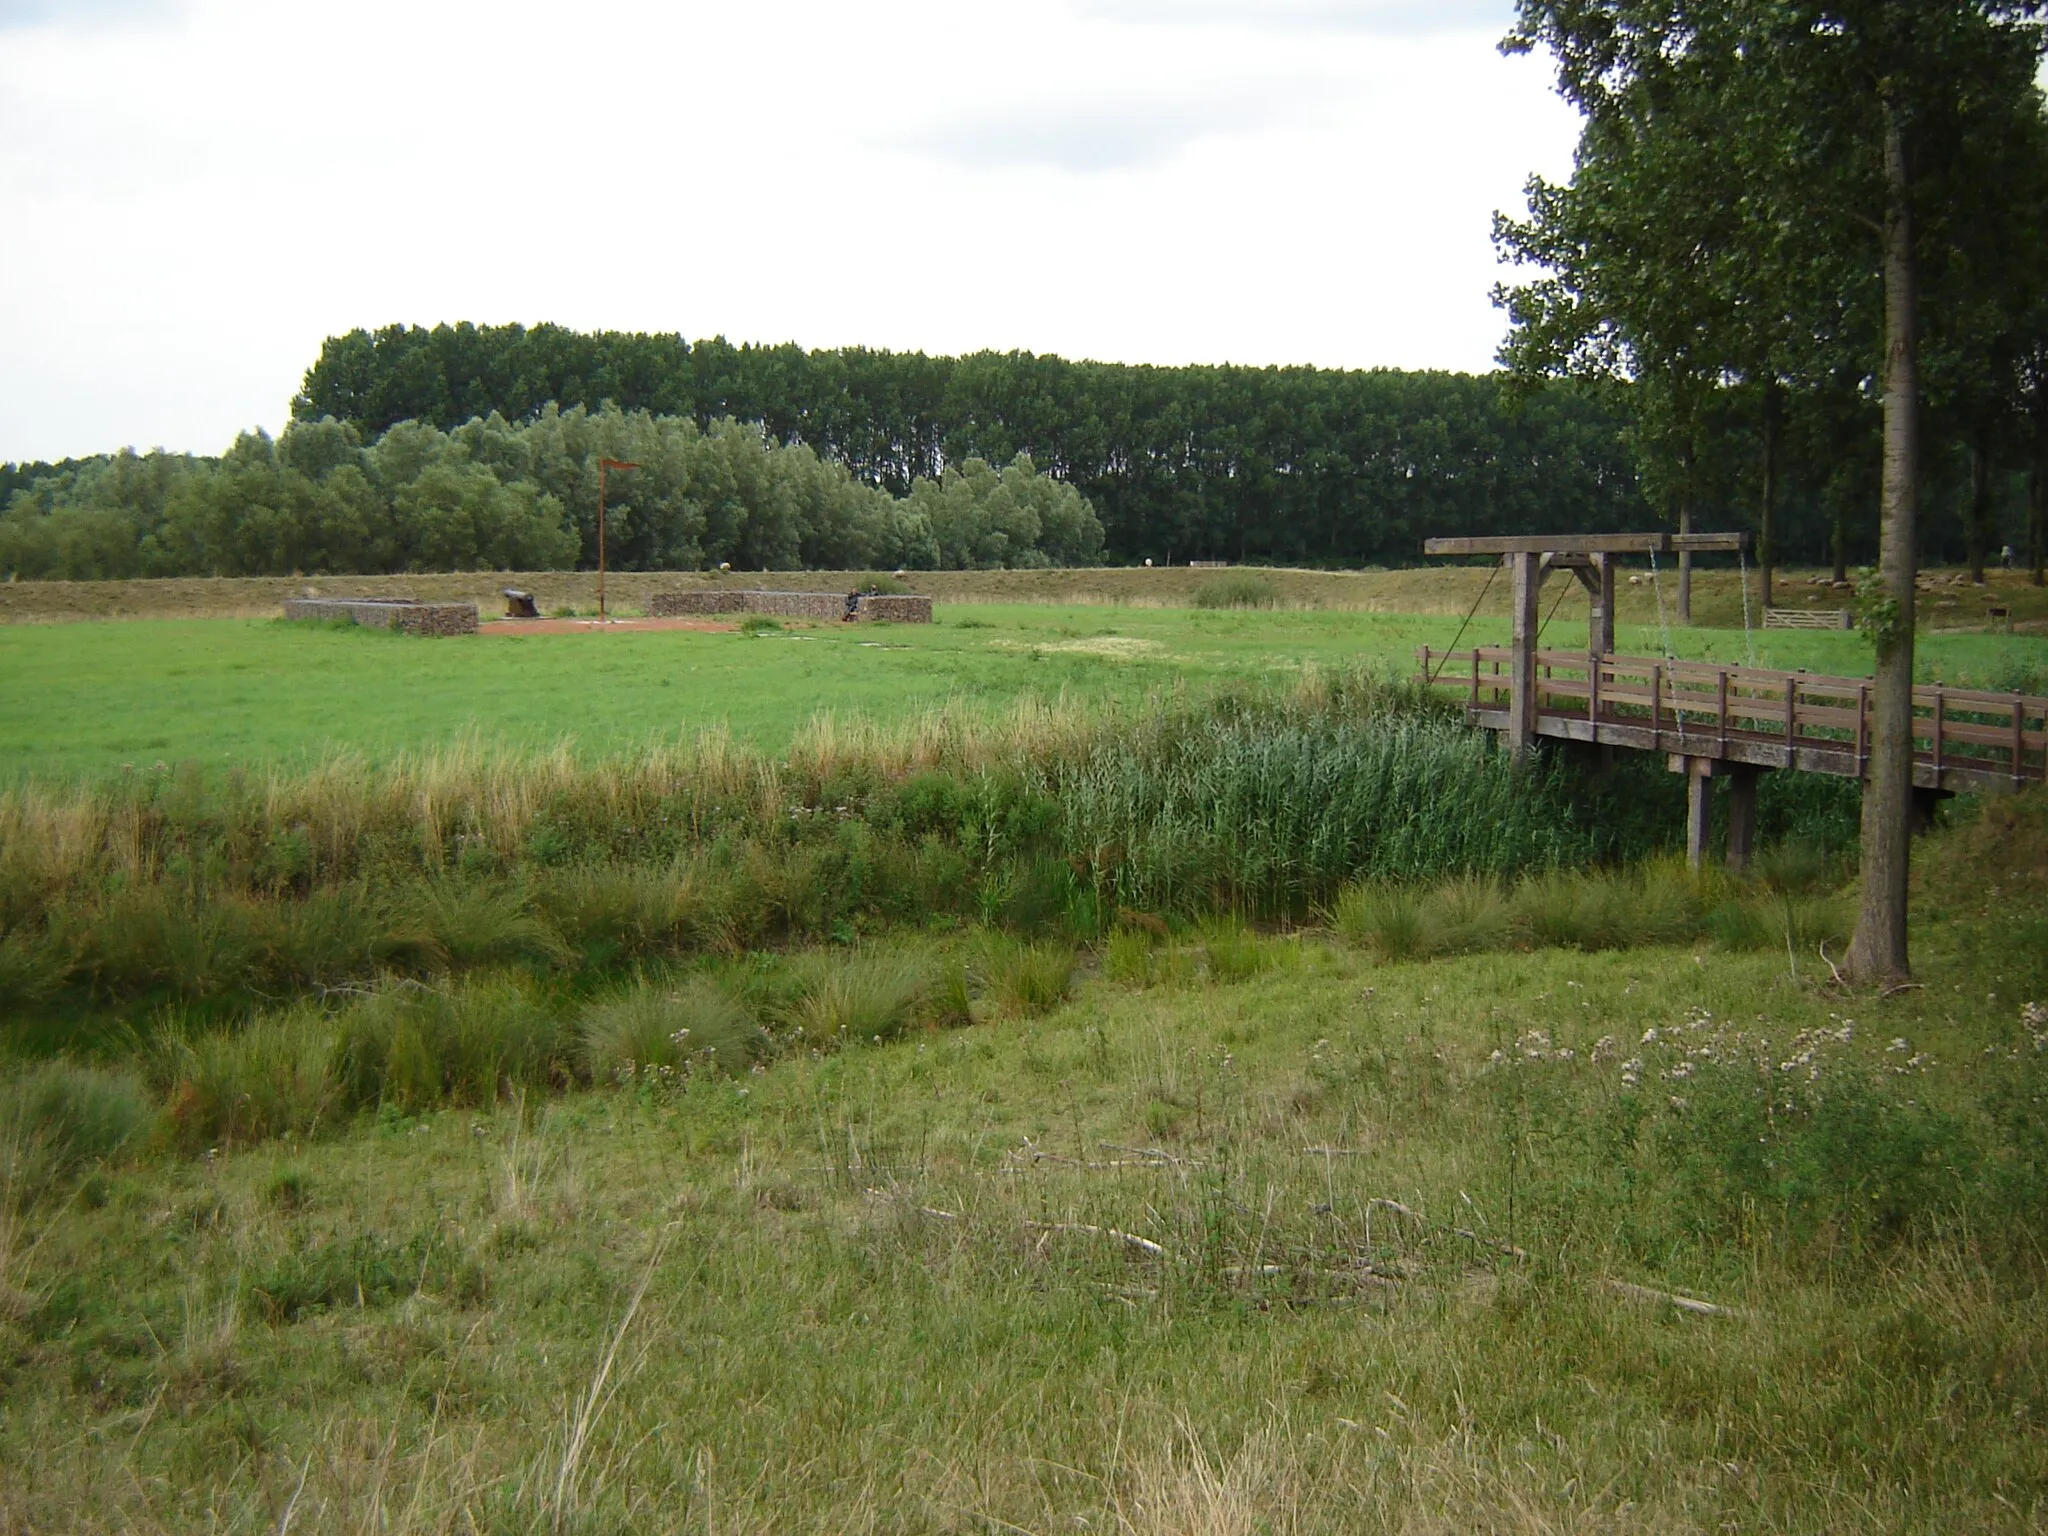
(215, 892)
(1223, 1231)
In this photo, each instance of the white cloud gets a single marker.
(1118, 134)
(193, 208)
(73, 14)
(1378, 16)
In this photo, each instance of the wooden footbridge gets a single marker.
(1713, 721)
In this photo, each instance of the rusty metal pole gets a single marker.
(602, 466)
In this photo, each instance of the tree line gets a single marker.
(498, 495)
(1300, 466)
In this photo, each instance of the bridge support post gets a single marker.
(1528, 583)
(1598, 580)
(1742, 782)
(1699, 808)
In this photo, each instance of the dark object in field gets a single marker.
(520, 605)
(399, 613)
(824, 607)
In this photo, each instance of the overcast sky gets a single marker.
(197, 192)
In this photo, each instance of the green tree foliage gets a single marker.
(1770, 187)
(984, 517)
(1293, 465)
(493, 495)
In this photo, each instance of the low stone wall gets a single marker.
(895, 610)
(388, 613)
(819, 607)
(684, 605)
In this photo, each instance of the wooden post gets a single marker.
(2019, 739)
(1600, 622)
(1742, 779)
(1528, 584)
(1940, 727)
(1862, 729)
(1699, 809)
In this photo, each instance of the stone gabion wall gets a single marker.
(821, 607)
(895, 610)
(389, 613)
(679, 605)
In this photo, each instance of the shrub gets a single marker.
(758, 624)
(653, 1027)
(1236, 591)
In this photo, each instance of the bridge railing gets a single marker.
(1963, 729)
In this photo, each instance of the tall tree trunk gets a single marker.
(1841, 539)
(1766, 543)
(1977, 533)
(1878, 952)
(1685, 526)
(2037, 526)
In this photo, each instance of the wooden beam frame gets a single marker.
(1593, 544)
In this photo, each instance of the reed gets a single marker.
(228, 892)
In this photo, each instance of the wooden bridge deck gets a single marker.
(1963, 738)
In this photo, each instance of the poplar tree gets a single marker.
(1850, 141)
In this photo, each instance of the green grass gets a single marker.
(911, 1128)
(1291, 1239)
(89, 699)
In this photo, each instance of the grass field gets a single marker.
(89, 698)
(1187, 1089)
(1247, 1235)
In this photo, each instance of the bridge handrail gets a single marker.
(1674, 669)
(1714, 700)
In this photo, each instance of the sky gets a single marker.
(198, 192)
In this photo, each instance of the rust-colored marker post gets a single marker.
(602, 466)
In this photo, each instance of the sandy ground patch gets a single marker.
(601, 626)
(1116, 647)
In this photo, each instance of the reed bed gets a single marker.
(230, 890)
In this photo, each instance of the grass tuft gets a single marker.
(658, 1030)
(1025, 980)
